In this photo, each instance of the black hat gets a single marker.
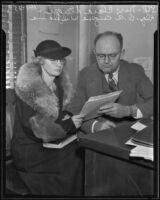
(52, 50)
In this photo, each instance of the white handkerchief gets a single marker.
(138, 126)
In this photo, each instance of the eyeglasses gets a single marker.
(102, 57)
(62, 61)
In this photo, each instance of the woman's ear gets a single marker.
(38, 59)
(41, 60)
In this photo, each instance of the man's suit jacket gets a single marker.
(137, 89)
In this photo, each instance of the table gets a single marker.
(109, 171)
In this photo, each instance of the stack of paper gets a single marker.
(94, 103)
(143, 141)
(142, 151)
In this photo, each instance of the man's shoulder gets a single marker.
(88, 70)
(132, 67)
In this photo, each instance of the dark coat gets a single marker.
(44, 171)
(136, 86)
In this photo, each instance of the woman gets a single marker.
(43, 91)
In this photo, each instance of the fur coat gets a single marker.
(32, 90)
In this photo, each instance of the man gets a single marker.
(109, 74)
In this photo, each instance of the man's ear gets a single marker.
(94, 50)
(122, 53)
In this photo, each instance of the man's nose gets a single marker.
(107, 58)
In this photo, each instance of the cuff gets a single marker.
(135, 112)
(92, 129)
(139, 114)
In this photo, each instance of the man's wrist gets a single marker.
(97, 126)
(133, 110)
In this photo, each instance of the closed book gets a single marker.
(60, 143)
(144, 137)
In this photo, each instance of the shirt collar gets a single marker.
(115, 75)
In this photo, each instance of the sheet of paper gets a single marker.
(95, 102)
(138, 126)
(141, 151)
(129, 142)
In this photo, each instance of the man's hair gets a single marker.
(109, 33)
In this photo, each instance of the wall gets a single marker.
(137, 24)
(40, 28)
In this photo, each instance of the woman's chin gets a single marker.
(57, 74)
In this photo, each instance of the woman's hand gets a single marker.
(77, 120)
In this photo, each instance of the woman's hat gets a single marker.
(52, 50)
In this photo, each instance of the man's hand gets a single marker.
(115, 110)
(77, 120)
(100, 126)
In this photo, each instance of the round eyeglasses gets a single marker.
(62, 61)
(102, 57)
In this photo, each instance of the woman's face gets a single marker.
(53, 67)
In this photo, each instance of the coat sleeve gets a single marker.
(145, 91)
(46, 129)
(65, 121)
(34, 125)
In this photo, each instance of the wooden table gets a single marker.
(109, 171)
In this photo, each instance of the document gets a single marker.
(60, 143)
(144, 137)
(143, 143)
(95, 102)
(138, 126)
(145, 152)
(142, 151)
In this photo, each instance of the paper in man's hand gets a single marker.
(94, 103)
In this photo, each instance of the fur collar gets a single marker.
(31, 88)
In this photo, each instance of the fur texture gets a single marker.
(31, 88)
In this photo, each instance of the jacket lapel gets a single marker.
(98, 84)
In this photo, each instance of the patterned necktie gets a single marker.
(111, 83)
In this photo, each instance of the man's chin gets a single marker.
(106, 71)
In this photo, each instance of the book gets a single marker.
(95, 102)
(60, 143)
(144, 137)
(142, 141)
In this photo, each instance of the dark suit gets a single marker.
(136, 86)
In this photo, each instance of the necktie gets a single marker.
(111, 82)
